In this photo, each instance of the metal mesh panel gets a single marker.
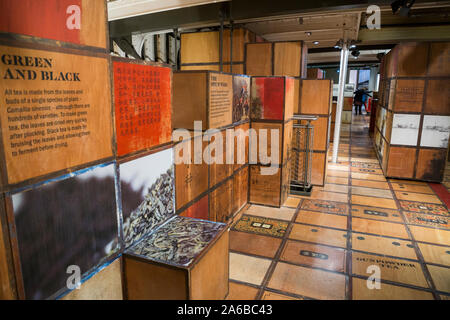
(302, 142)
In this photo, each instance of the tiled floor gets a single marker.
(326, 246)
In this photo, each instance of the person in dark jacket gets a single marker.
(359, 99)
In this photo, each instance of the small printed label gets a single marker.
(312, 254)
(376, 213)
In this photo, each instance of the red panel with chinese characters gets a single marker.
(142, 96)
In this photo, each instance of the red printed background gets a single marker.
(142, 97)
(267, 98)
(49, 19)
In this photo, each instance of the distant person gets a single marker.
(360, 98)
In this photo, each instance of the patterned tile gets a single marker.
(325, 206)
(427, 220)
(429, 208)
(262, 226)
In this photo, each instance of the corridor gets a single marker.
(359, 224)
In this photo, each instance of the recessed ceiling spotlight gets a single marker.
(316, 42)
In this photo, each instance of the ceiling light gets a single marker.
(308, 33)
(316, 42)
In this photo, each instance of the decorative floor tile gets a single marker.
(267, 295)
(307, 282)
(430, 235)
(376, 213)
(412, 188)
(368, 176)
(325, 206)
(238, 291)
(371, 192)
(248, 269)
(440, 276)
(429, 208)
(435, 254)
(262, 226)
(292, 202)
(314, 255)
(395, 270)
(319, 235)
(370, 184)
(254, 244)
(322, 219)
(374, 202)
(427, 219)
(385, 246)
(383, 228)
(387, 292)
(282, 213)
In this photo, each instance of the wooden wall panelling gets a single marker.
(437, 99)
(202, 96)
(199, 47)
(431, 164)
(241, 141)
(258, 59)
(287, 59)
(220, 202)
(412, 59)
(191, 179)
(240, 189)
(269, 127)
(265, 189)
(439, 59)
(219, 171)
(401, 162)
(315, 97)
(408, 95)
